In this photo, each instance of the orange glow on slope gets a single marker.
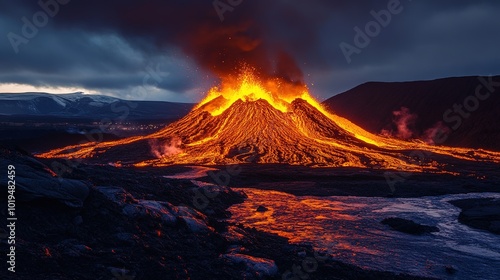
(268, 120)
(247, 87)
(279, 93)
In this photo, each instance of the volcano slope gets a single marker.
(256, 130)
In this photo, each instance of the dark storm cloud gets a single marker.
(92, 55)
(111, 45)
(426, 40)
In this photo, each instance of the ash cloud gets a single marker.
(106, 46)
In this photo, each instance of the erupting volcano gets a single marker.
(250, 119)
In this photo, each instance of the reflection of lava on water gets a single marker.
(269, 121)
(349, 228)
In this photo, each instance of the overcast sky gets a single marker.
(175, 50)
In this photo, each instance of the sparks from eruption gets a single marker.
(247, 86)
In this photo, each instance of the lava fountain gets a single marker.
(268, 120)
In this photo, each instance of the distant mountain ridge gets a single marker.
(373, 106)
(89, 106)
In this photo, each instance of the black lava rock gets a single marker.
(262, 209)
(408, 226)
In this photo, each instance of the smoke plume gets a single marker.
(166, 149)
(245, 36)
(404, 121)
(433, 135)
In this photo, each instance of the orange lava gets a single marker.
(247, 87)
(250, 119)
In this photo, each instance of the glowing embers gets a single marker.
(248, 87)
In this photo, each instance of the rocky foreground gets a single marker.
(102, 222)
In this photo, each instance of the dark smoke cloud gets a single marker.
(107, 45)
(220, 47)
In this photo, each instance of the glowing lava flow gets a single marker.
(268, 121)
(247, 87)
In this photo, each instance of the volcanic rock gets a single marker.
(257, 266)
(450, 269)
(163, 210)
(234, 235)
(195, 220)
(78, 220)
(72, 248)
(125, 238)
(408, 226)
(262, 209)
(34, 181)
(482, 213)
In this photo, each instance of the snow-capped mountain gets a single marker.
(88, 106)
